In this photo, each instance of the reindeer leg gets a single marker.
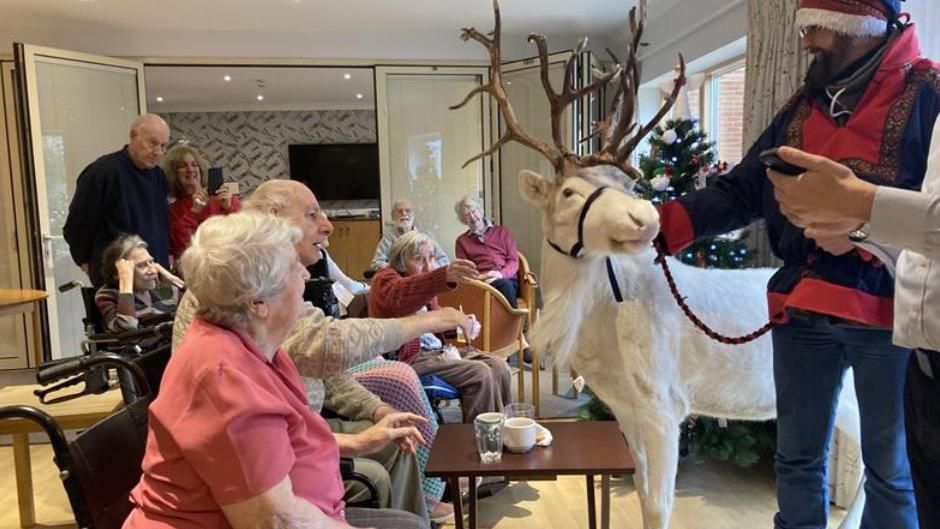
(659, 435)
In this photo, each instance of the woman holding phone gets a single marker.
(190, 201)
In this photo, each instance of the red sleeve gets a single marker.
(392, 296)
(235, 435)
(183, 224)
(675, 226)
(511, 268)
(459, 249)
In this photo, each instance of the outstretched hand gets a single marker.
(461, 269)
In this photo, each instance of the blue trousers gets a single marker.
(810, 358)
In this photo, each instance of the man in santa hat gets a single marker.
(869, 101)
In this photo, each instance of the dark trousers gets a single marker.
(922, 419)
(509, 288)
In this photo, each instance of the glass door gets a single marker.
(530, 103)
(423, 144)
(77, 107)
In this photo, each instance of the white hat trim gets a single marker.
(854, 25)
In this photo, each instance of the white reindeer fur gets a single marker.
(643, 357)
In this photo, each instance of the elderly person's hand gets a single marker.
(399, 427)
(461, 269)
(168, 277)
(828, 197)
(125, 272)
(491, 276)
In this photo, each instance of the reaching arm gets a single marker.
(348, 398)
(279, 508)
(907, 219)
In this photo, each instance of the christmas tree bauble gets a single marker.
(670, 136)
(660, 183)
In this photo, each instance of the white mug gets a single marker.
(519, 434)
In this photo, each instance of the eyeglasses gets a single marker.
(806, 31)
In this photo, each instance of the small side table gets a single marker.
(587, 449)
(13, 302)
(71, 415)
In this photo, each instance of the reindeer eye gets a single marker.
(567, 192)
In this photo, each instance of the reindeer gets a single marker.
(608, 309)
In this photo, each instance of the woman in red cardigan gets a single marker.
(187, 171)
(411, 284)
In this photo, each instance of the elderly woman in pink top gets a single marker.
(490, 247)
(231, 439)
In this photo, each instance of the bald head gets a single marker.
(294, 201)
(277, 196)
(148, 139)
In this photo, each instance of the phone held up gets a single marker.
(215, 180)
(771, 160)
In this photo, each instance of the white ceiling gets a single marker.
(367, 29)
(200, 88)
(372, 31)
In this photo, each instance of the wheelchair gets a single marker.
(149, 347)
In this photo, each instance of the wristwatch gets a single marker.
(860, 234)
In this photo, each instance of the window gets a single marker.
(724, 104)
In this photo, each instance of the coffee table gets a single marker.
(579, 448)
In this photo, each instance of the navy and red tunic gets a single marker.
(885, 141)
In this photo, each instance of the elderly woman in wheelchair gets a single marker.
(136, 286)
(232, 441)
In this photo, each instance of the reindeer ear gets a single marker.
(535, 188)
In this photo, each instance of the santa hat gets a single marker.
(857, 18)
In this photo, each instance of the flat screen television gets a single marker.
(337, 171)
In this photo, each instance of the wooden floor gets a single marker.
(710, 495)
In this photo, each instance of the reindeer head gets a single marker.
(588, 203)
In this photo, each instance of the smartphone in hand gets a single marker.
(771, 160)
(215, 180)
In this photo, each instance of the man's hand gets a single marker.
(827, 194)
(461, 269)
(834, 244)
(85, 268)
(125, 275)
(398, 427)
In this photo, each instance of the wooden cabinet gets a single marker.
(353, 243)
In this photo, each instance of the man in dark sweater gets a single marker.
(122, 192)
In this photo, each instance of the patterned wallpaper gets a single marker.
(252, 146)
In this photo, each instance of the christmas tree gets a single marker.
(682, 160)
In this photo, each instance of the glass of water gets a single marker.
(519, 409)
(488, 428)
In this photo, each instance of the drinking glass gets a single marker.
(519, 409)
(488, 428)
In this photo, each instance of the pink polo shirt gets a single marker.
(229, 425)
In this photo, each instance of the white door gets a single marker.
(423, 144)
(78, 107)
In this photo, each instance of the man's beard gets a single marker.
(819, 74)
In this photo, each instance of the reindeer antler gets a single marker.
(615, 151)
(495, 88)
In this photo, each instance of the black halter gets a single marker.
(575, 251)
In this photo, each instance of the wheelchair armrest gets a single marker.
(347, 470)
